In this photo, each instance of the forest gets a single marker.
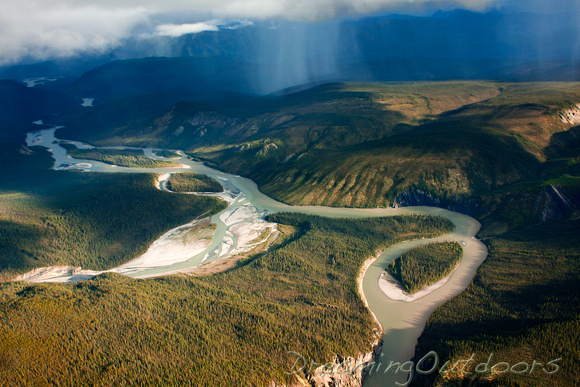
(425, 265)
(193, 182)
(168, 154)
(120, 157)
(522, 306)
(181, 330)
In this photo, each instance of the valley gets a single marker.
(478, 152)
(296, 291)
(270, 193)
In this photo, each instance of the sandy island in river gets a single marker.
(227, 263)
(176, 245)
(394, 290)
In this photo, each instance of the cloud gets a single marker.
(237, 24)
(28, 31)
(41, 29)
(175, 30)
(314, 10)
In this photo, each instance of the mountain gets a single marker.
(469, 146)
(268, 56)
(187, 78)
(21, 105)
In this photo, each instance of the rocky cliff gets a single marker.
(571, 116)
(340, 372)
(553, 204)
(344, 372)
(416, 197)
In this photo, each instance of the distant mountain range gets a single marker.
(446, 45)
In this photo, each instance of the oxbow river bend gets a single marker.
(402, 321)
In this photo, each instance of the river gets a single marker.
(402, 321)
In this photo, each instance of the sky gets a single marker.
(33, 30)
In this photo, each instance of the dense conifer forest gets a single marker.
(193, 182)
(234, 328)
(425, 265)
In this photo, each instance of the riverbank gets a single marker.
(175, 246)
(57, 274)
(359, 282)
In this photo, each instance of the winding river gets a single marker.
(402, 321)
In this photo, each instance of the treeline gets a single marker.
(121, 157)
(230, 329)
(193, 182)
(425, 265)
(522, 306)
(168, 154)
